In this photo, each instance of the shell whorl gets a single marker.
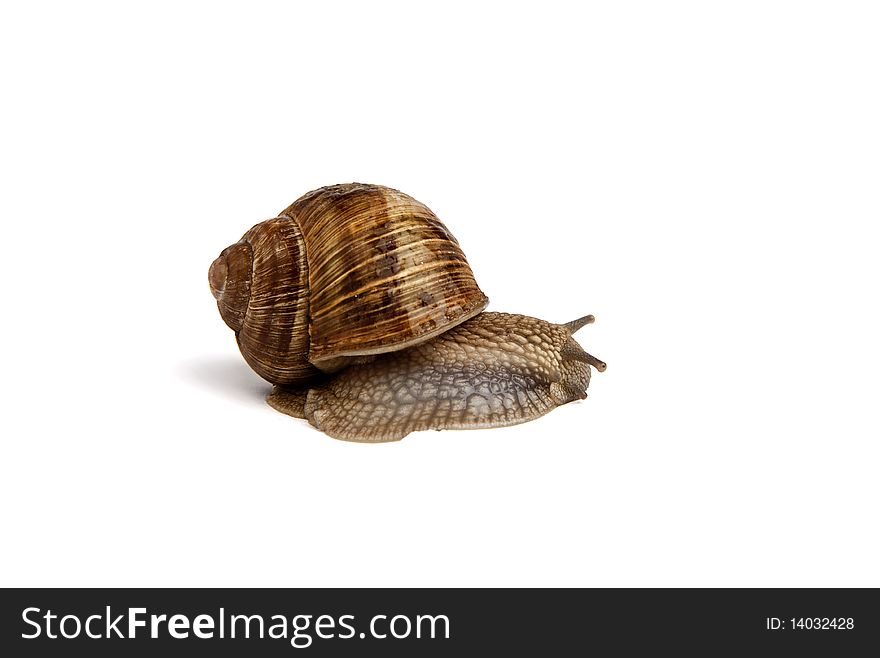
(261, 287)
(384, 272)
(230, 281)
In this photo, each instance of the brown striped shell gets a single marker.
(345, 271)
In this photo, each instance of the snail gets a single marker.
(360, 307)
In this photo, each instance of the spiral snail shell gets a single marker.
(360, 306)
(344, 271)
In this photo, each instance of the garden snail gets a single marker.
(359, 306)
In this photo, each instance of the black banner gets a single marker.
(392, 622)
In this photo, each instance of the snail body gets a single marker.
(494, 370)
(359, 305)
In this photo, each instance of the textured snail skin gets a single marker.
(494, 370)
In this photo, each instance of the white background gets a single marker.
(703, 177)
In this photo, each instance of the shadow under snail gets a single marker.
(358, 304)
